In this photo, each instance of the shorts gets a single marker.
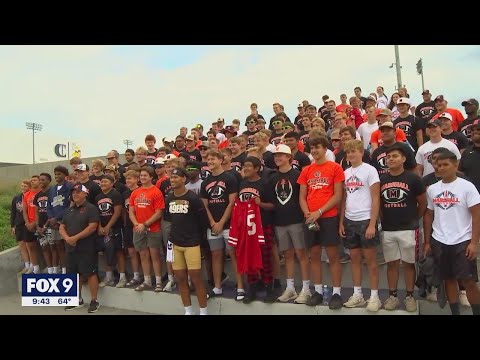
(29, 236)
(83, 263)
(218, 242)
(327, 235)
(56, 235)
(355, 235)
(400, 245)
(166, 226)
(290, 237)
(110, 247)
(147, 239)
(452, 263)
(20, 232)
(188, 258)
(127, 237)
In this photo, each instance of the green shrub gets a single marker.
(7, 240)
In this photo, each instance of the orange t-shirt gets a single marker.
(29, 205)
(320, 181)
(301, 146)
(145, 202)
(223, 145)
(375, 138)
(457, 117)
(341, 107)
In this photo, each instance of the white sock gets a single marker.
(122, 276)
(50, 270)
(336, 290)
(36, 269)
(374, 294)
(170, 277)
(290, 284)
(203, 311)
(136, 275)
(109, 276)
(64, 270)
(31, 266)
(158, 279)
(217, 291)
(55, 269)
(188, 310)
(148, 280)
(357, 290)
(27, 265)
(306, 285)
(319, 289)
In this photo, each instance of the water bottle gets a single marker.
(326, 294)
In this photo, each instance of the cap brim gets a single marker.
(466, 103)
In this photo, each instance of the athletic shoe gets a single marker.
(391, 303)
(432, 295)
(410, 304)
(288, 295)
(345, 259)
(374, 304)
(271, 297)
(335, 302)
(250, 295)
(355, 301)
(121, 283)
(170, 286)
(106, 282)
(94, 306)
(81, 304)
(315, 299)
(303, 297)
(462, 297)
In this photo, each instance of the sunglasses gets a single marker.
(192, 169)
(286, 128)
(251, 122)
(277, 122)
(203, 148)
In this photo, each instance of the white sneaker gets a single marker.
(288, 295)
(463, 298)
(391, 303)
(410, 304)
(355, 301)
(29, 271)
(106, 282)
(170, 286)
(303, 297)
(121, 283)
(374, 304)
(432, 296)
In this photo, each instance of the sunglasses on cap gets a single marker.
(190, 169)
(251, 122)
(287, 128)
(277, 122)
(203, 148)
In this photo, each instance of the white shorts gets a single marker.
(400, 245)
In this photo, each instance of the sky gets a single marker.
(98, 96)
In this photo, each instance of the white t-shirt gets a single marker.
(271, 148)
(330, 156)
(450, 203)
(382, 102)
(424, 154)
(221, 137)
(357, 185)
(365, 130)
(195, 187)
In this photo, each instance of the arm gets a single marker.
(117, 211)
(332, 202)
(228, 211)
(472, 248)
(419, 170)
(303, 200)
(63, 231)
(211, 220)
(13, 211)
(89, 230)
(131, 214)
(419, 134)
(422, 205)
(374, 211)
(39, 229)
(343, 203)
(427, 230)
(157, 215)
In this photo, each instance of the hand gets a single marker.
(70, 240)
(217, 228)
(426, 249)
(13, 231)
(258, 200)
(313, 216)
(106, 230)
(139, 228)
(53, 222)
(341, 230)
(40, 230)
(472, 250)
(370, 233)
(100, 230)
(31, 227)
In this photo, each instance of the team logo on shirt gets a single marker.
(284, 191)
(216, 191)
(237, 166)
(394, 194)
(353, 183)
(205, 172)
(42, 203)
(296, 165)
(428, 156)
(178, 207)
(318, 182)
(19, 206)
(426, 111)
(445, 200)
(248, 194)
(467, 131)
(406, 126)
(105, 206)
(142, 202)
(382, 160)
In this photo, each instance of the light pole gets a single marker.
(34, 127)
(128, 143)
(420, 71)
(398, 67)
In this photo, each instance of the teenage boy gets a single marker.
(193, 172)
(299, 159)
(41, 218)
(83, 178)
(191, 150)
(29, 209)
(251, 124)
(238, 157)
(410, 125)
(152, 152)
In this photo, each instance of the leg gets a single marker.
(275, 261)
(370, 257)
(155, 255)
(60, 245)
(133, 254)
(54, 252)
(289, 263)
(182, 280)
(47, 255)
(315, 264)
(32, 252)
(335, 265)
(23, 251)
(356, 256)
(93, 285)
(393, 274)
(238, 276)
(217, 266)
(196, 276)
(409, 273)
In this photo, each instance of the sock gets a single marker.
(170, 277)
(109, 276)
(410, 293)
(374, 294)
(306, 285)
(319, 289)
(241, 290)
(455, 308)
(122, 276)
(357, 290)
(27, 265)
(393, 293)
(188, 310)
(203, 311)
(476, 309)
(64, 270)
(290, 284)
(217, 291)
(148, 280)
(336, 290)
(55, 269)
(158, 279)
(31, 266)
(50, 270)
(36, 269)
(136, 275)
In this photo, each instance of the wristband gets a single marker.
(320, 212)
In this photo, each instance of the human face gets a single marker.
(249, 170)
(318, 152)
(34, 183)
(338, 121)
(190, 144)
(317, 125)
(371, 113)
(112, 159)
(183, 131)
(160, 170)
(79, 197)
(194, 132)
(59, 177)
(388, 134)
(433, 131)
(131, 182)
(96, 169)
(129, 157)
(476, 135)
(259, 142)
(162, 154)
(446, 168)
(236, 148)
(145, 178)
(336, 143)
(343, 98)
(44, 182)
(446, 124)
(251, 125)
(253, 107)
(395, 159)
(427, 97)
(379, 91)
(150, 144)
(106, 185)
(311, 112)
(355, 103)
(331, 106)
(306, 122)
(355, 156)
(282, 159)
(402, 92)
(277, 125)
(260, 125)
(291, 143)
(383, 119)
(395, 98)
(440, 105)
(213, 144)
(177, 181)
(203, 151)
(192, 172)
(214, 163)
(227, 158)
(357, 92)
(24, 187)
(277, 109)
(403, 108)
(345, 136)
(140, 157)
(214, 127)
(180, 143)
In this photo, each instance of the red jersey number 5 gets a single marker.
(252, 227)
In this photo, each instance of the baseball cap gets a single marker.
(190, 137)
(282, 149)
(435, 122)
(82, 167)
(199, 126)
(387, 124)
(385, 111)
(204, 144)
(439, 98)
(80, 187)
(111, 167)
(159, 161)
(426, 92)
(446, 116)
(289, 125)
(470, 102)
(403, 100)
(169, 157)
(231, 129)
(300, 105)
(335, 135)
(191, 164)
(372, 98)
(220, 120)
(167, 139)
(179, 172)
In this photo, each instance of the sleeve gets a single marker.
(131, 200)
(373, 177)
(455, 150)
(462, 141)
(417, 111)
(302, 179)
(400, 135)
(419, 156)
(203, 191)
(13, 211)
(158, 201)
(304, 161)
(49, 206)
(231, 183)
(419, 186)
(374, 137)
(117, 199)
(201, 213)
(429, 199)
(410, 162)
(472, 195)
(339, 175)
(93, 214)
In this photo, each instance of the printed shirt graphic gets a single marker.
(216, 189)
(465, 127)
(424, 154)
(409, 125)
(251, 141)
(425, 111)
(320, 180)
(237, 162)
(300, 160)
(41, 201)
(145, 202)
(275, 138)
(286, 199)
(458, 139)
(150, 159)
(357, 186)
(106, 205)
(205, 171)
(450, 203)
(249, 190)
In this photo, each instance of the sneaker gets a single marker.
(29, 271)
(391, 303)
(335, 302)
(303, 297)
(410, 304)
(81, 304)
(121, 283)
(240, 295)
(374, 304)
(315, 299)
(170, 286)
(288, 295)
(211, 294)
(250, 295)
(462, 297)
(106, 282)
(432, 295)
(345, 259)
(94, 306)
(355, 301)
(271, 297)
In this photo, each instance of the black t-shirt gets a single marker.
(166, 188)
(456, 137)
(76, 219)
(120, 187)
(464, 128)
(237, 162)
(379, 158)
(151, 156)
(469, 165)
(16, 211)
(298, 122)
(286, 198)
(216, 189)
(304, 137)
(276, 138)
(204, 171)
(410, 125)
(126, 196)
(250, 142)
(106, 205)
(189, 219)
(249, 190)
(96, 179)
(203, 138)
(41, 201)
(425, 111)
(300, 160)
(193, 155)
(237, 176)
(268, 160)
(341, 159)
(398, 197)
(431, 179)
(328, 118)
(93, 190)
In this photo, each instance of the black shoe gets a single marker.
(251, 294)
(345, 259)
(315, 300)
(94, 306)
(259, 285)
(165, 278)
(277, 284)
(212, 294)
(81, 304)
(335, 302)
(271, 296)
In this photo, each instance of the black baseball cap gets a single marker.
(179, 172)
(435, 122)
(439, 98)
(470, 102)
(426, 92)
(398, 147)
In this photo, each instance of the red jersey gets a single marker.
(223, 145)
(29, 204)
(145, 202)
(356, 117)
(246, 235)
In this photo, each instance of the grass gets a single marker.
(7, 240)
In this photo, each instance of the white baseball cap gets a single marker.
(403, 100)
(445, 115)
(282, 149)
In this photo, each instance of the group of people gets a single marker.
(353, 179)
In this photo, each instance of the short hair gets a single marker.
(342, 114)
(134, 167)
(331, 101)
(108, 177)
(175, 162)
(358, 88)
(261, 135)
(75, 160)
(47, 175)
(325, 97)
(371, 106)
(311, 107)
(142, 150)
(226, 151)
(293, 135)
(115, 153)
(261, 120)
(316, 133)
(353, 98)
(165, 149)
(440, 150)
(27, 182)
(236, 140)
(318, 119)
(132, 173)
(353, 145)
(216, 140)
(447, 155)
(250, 118)
(211, 132)
(98, 162)
(321, 140)
(149, 170)
(279, 117)
(236, 121)
(215, 153)
(266, 132)
(276, 104)
(254, 149)
(130, 151)
(150, 137)
(61, 169)
(348, 129)
(34, 176)
(254, 160)
(180, 137)
(254, 104)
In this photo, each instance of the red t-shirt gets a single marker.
(342, 107)
(145, 202)
(223, 145)
(159, 181)
(320, 181)
(457, 117)
(29, 205)
(376, 137)
(356, 117)
(301, 146)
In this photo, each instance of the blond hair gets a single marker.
(98, 162)
(353, 145)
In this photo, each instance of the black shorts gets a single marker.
(327, 235)
(355, 235)
(110, 247)
(452, 262)
(127, 237)
(83, 263)
(29, 236)
(20, 232)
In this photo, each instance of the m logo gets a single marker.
(61, 150)
(284, 191)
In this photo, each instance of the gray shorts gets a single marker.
(147, 240)
(166, 226)
(290, 237)
(220, 241)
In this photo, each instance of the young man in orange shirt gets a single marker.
(29, 209)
